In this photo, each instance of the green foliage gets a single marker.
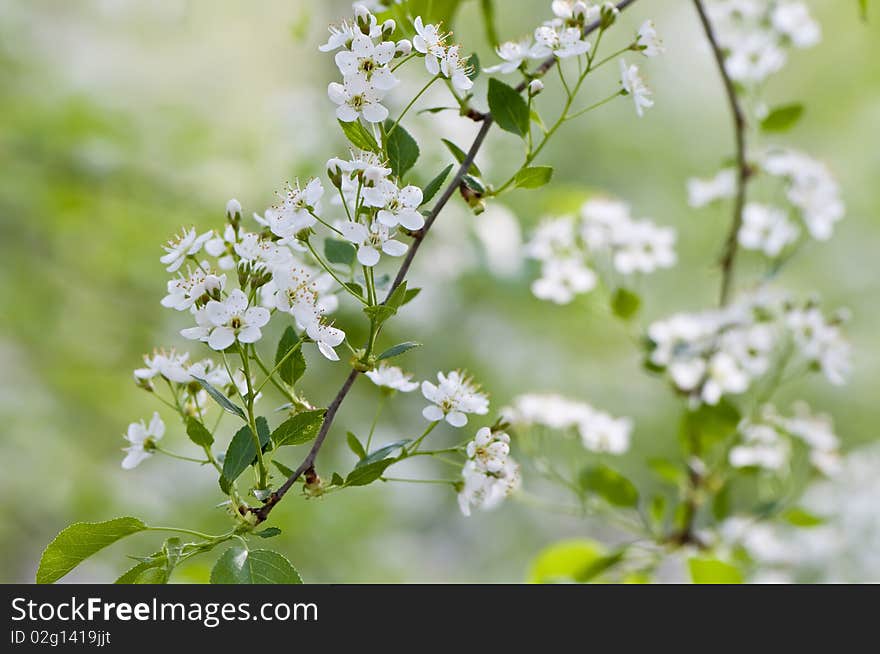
(294, 366)
(432, 187)
(359, 136)
(397, 350)
(381, 453)
(301, 428)
(473, 65)
(221, 399)
(460, 156)
(157, 568)
(402, 150)
(241, 453)
(487, 8)
(341, 252)
(434, 11)
(78, 542)
(578, 560)
(533, 176)
(355, 445)
(610, 484)
(800, 517)
(783, 118)
(709, 424)
(238, 565)
(268, 532)
(508, 108)
(705, 570)
(625, 304)
(667, 471)
(363, 475)
(198, 433)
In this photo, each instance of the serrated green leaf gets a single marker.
(712, 571)
(382, 452)
(434, 185)
(533, 176)
(221, 399)
(198, 433)
(508, 108)
(355, 445)
(240, 566)
(363, 475)
(460, 155)
(781, 119)
(294, 366)
(402, 149)
(341, 252)
(241, 453)
(78, 542)
(397, 350)
(301, 428)
(268, 532)
(359, 137)
(610, 484)
(625, 304)
(337, 479)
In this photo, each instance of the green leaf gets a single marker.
(657, 509)
(460, 155)
(295, 365)
(143, 572)
(363, 475)
(337, 479)
(712, 571)
(710, 424)
(667, 471)
(610, 484)
(410, 295)
(488, 10)
(198, 433)
(721, 503)
(78, 542)
(565, 561)
(433, 11)
(357, 289)
(474, 184)
(341, 252)
(533, 176)
(783, 118)
(240, 566)
(381, 453)
(473, 67)
(625, 304)
(508, 108)
(800, 517)
(434, 185)
(402, 149)
(283, 469)
(268, 532)
(221, 399)
(397, 350)
(240, 454)
(301, 428)
(359, 136)
(355, 445)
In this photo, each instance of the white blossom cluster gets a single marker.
(808, 186)
(490, 474)
(765, 442)
(757, 34)
(599, 432)
(569, 248)
(722, 352)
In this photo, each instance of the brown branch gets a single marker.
(744, 172)
(308, 463)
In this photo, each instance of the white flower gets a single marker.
(301, 284)
(221, 247)
(821, 342)
(456, 68)
(574, 10)
(559, 40)
(344, 33)
(794, 20)
(454, 396)
(601, 432)
(357, 97)
(214, 374)
(704, 191)
(648, 43)
(724, 375)
(143, 441)
(755, 57)
(295, 211)
(170, 365)
(563, 279)
(300, 299)
(513, 53)
(547, 409)
(232, 321)
(184, 291)
(767, 229)
(762, 447)
(371, 241)
(392, 377)
(489, 474)
(429, 41)
(635, 87)
(397, 206)
(368, 61)
(262, 253)
(641, 246)
(188, 243)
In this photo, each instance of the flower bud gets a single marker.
(608, 15)
(334, 172)
(363, 18)
(233, 212)
(388, 28)
(535, 87)
(579, 11)
(404, 47)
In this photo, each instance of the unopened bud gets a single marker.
(388, 28)
(363, 18)
(233, 211)
(579, 11)
(608, 15)
(535, 87)
(404, 47)
(334, 172)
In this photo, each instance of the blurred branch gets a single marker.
(728, 257)
(307, 466)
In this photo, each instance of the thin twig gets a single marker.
(262, 512)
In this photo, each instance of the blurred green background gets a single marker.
(122, 120)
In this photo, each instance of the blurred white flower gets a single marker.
(489, 474)
(767, 229)
(635, 87)
(648, 43)
(392, 377)
(143, 441)
(704, 191)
